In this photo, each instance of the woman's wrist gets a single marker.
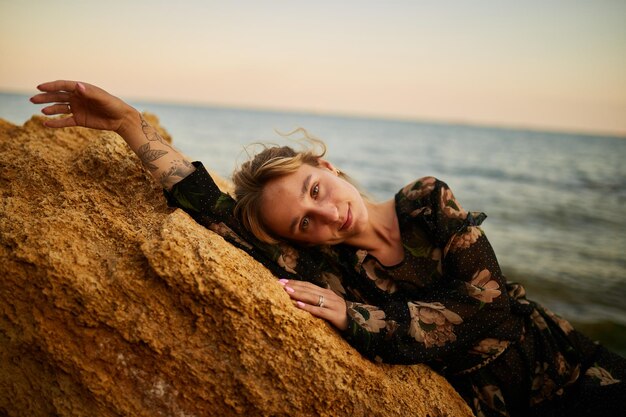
(130, 122)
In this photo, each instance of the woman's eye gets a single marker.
(305, 223)
(315, 191)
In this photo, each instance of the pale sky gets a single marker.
(541, 64)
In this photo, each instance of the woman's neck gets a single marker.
(382, 237)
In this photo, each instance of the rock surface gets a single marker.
(112, 304)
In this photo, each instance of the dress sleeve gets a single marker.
(199, 196)
(463, 309)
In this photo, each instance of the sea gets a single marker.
(555, 201)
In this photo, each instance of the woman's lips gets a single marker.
(348, 221)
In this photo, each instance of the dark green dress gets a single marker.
(446, 304)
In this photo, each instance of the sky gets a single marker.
(550, 64)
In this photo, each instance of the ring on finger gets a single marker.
(320, 301)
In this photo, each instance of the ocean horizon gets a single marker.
(553, 199)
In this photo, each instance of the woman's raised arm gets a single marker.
(89, 106)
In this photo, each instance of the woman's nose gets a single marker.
(328, 213)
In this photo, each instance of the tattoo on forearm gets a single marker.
(148, 155)
(151, 133)
(179, 170)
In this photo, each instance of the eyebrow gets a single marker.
(305, 187)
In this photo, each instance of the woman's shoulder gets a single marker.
(419, 188)
(426, 196)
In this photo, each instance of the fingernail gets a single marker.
(289, 289)
(300, 304)
(283, 281)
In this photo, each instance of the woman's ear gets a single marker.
(322, 163)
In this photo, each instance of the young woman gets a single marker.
(410, 280)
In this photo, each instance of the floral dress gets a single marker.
(446, 304)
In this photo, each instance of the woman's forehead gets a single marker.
(295, 183)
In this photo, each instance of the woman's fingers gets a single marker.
(55, 97)
(57, 109)
(55, 92)
(320, 302)
(61, 92)
(304, 291)
(321, 312)
(58, 85)
(64, 122)
(335, 312)
(302, 285)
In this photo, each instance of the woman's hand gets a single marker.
(87, 106)
(92, 107)
(320, 302)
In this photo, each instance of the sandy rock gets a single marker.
(112, 304)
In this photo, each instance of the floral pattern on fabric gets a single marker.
(465, 240)
(333, 282)
(450, 206)
(379, 276)
(563, 324)
(419, 188)
(288, 258)
(369, 317)
(490, 347)
(482, 287)
(432, 323)
(543, 386)
(603, 376)
(491, 397)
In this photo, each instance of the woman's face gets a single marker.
(314, 205)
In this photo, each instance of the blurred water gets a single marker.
(554, 200)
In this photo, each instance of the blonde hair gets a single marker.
(271, 162)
